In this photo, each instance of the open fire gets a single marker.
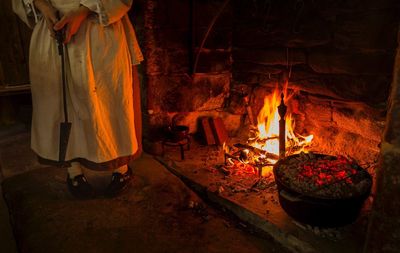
(266, 136)
(313, 188)
(262, 148)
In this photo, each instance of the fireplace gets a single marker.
(336, 60)
(332, 60)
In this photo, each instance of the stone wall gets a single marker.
(337, 57)
(342, 49)
(173, 34)
(384, 227)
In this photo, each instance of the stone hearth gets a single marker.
(255, 201)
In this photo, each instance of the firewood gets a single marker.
(223, 170)
(207, 132)
(257, 150)
(219, 130)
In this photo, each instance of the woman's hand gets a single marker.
(49, 13)
(72, 21)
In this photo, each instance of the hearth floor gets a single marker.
(158, 214)
(256, 203)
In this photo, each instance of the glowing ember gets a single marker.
(266, 136)
(327, 171)
(323, 176)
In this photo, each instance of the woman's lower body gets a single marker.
(100, 98)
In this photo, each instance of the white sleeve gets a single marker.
(26, 10)
(30, 9)
(109, 11)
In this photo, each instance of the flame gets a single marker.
(267, 135)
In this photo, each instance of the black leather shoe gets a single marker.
(79, 187)
(119, 183)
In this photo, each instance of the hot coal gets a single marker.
(324, 176)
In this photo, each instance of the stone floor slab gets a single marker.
(158, 214)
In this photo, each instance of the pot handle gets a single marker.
(289, 196)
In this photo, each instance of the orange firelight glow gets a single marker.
(266, 136)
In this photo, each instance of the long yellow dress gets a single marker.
(99, 91)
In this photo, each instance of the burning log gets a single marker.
(257, 151)
(270, 140)
(223, 170)
(256, 138)
(227, 155)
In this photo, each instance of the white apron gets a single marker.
(99, 90)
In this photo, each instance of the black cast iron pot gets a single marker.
(177, 133)
(322, 212)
